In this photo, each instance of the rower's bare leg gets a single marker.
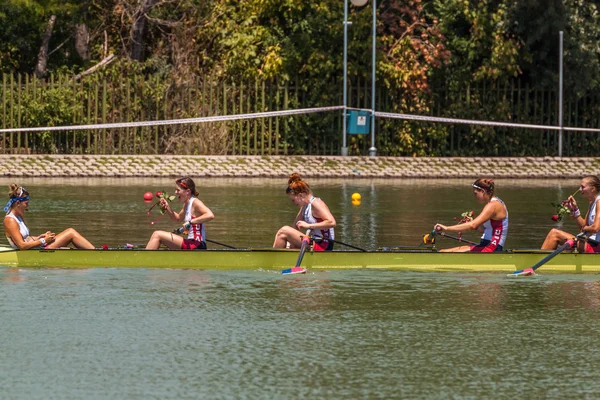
(460, 249)
(555, 238)
(288, 234)
(169, 239)
(68, 236)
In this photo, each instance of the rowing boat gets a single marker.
(277, 259)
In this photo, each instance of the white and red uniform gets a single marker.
(22, 229)
(494, 235)
(590, 220)
(321, 237)
(196, 234)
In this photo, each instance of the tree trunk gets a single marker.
(82, 41)
(138, 29)
(41, 68)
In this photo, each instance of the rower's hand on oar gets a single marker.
(302, 225)
(440, 228)
(49, 237)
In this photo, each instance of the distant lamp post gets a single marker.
(359, 3)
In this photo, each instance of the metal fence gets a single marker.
(61, 100)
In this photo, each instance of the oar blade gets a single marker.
(523, 272)
(294, 270)
(298, 269)
(531, 271)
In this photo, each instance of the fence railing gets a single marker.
(61, 100)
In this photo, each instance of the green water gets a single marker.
(249, 211)
(178, 334)
(118, 333)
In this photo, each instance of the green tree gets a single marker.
(539, 24)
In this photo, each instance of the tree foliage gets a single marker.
(422, 46)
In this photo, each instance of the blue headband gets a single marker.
(14, 200)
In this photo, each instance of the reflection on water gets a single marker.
(119, 333)
(249, 211)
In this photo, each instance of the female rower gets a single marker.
(314, 215)
(17, 232)
(590, 189)
(193, 215)
(492, 221)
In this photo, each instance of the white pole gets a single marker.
(373, 149)
(345, 111)
(560, 94)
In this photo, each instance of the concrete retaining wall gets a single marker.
(307, 166)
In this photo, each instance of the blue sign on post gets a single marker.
(359, 122)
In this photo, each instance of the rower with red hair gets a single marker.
(313, 214)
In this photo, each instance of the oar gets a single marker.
(531, 271)
(180, 231)
(298, 269)
(457, 238)
(221, 244)
(342, 243)
(430, 237)
(134, 246)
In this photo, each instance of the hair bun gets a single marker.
(295, 177)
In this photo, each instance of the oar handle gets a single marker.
(221, 244)
(457, 238)
(342, 243)
(438, 231)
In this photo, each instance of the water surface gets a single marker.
(118, 333)
(177, 334)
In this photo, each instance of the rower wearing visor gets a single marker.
(492, 221)
(17, 232)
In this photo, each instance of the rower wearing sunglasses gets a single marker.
(192, 216)
(17, 232)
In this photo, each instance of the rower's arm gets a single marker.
(204, 213)
(593, 228)
(320, 210)
(299, 217)
(486, 214)
(175, 216)
(11, 229)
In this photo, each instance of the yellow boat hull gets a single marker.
(278, 259)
